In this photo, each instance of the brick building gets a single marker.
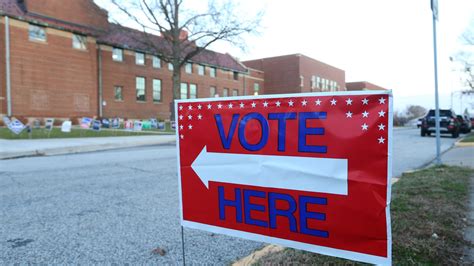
(64, 61)
(362, 86)
(297, 73)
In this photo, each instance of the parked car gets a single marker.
(472, 122)
(465, 123)
(448, 122)
(418, 122)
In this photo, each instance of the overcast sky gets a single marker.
(386, 42)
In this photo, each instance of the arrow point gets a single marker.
(198, 164)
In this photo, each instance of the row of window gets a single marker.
(323, 84)
(38, 33)
(117, 55)
(187, 90)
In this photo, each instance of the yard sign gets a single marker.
(307, 171)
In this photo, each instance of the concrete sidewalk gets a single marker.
(20, 148)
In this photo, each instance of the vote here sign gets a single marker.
(308, 171)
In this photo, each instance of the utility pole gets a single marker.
(434, 8)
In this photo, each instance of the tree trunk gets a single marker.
(176, 79)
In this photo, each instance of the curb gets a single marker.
(79, 149)
(464, 144)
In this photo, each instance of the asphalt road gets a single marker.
(117, 206)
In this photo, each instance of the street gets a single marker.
(117, 206)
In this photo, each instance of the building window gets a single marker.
(212, 72)
(139, 58)
(170, 67)
(235, 92)
(156, 62)
(236, 75)
(184, 91)
(256, 88)
(192, 91)
(156, 90)
(117, 54)
(37, 33)
(140, 85)
(301, 81)
(225, 93)
(118, 93)
(318, 80)
(313, 82)
(201, 70)
(79, 42)
(188, 68)
(213, 92)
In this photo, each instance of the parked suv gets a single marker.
(465, 123)
(448, 123)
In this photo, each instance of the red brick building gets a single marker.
(362, 86)
(298, 73)
(66, 60)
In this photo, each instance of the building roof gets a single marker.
(115, 35)
(362, 85)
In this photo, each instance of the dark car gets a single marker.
(465, 123)
(448, 123)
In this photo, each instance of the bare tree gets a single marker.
(186, 32)
(415, 111)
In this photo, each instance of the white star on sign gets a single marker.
(381, 127)
(290, 103)
(199, 107)
(304, 102)
(181, 126)
(365, 101)
(349, 114)
(265, 104)
(318, 102)
(381, 140)
(180, 107)
(219, 106)
(254, 104)
(278, 103)
(199, 116)
(333, 102)
(242, 105)
(349, 101)
(182, 136)
(365, 114)
(209, 106)
(381, 113)
(365, 126)
(190, 107)
(190, 126)
(190, 117)
(382, 100)
(180, 117)
(230, 105)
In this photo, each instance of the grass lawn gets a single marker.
(468, 138)
(5, 133)
(427, 202)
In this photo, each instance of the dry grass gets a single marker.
(424, 203)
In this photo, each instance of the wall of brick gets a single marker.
(362, 85)
(3, 97)
(310, 67)
(124, 73)
(83, 12)
(52, 78)
(281, 73)
(255, 76)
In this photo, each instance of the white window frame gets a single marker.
(79, 42)
(201, 70)
(117, 56)
(115, 93)
(193, 91)
(156, 62)
(137, 89)
(212, 72)
(157, 87)
(183, 90)
(139, 58)
(188, 68)
(37, 33)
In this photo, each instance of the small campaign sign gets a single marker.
(128, 125)
(105, 123)
(66, 126)
(154, 123)
(137, 125)
(161, 126)
(116, 123)
(86, 122)
(16, 126)
(49, 123)
(96, 125)
(308, 171)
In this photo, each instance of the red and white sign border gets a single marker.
(289, 243)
